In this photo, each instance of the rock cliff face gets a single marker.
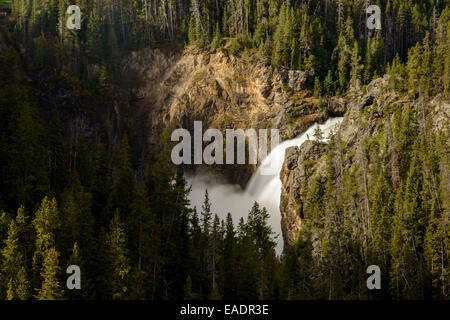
(224, 92)
(294, 175)
(364, 118)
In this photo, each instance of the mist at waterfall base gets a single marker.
(265, 189)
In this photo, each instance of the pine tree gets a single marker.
(373, 65)
(436, 255)
(179, 256)
(318, 135)
(206, 215)
(216, 43)
(343, 63)
(46, 223)
(305, 249)
(260, 233)
(329, 84)
(317, 88)
(344, 52)
(26, 236)
(441, 62)
(381, 219)
(228, 269)
(407, 239)
(397, 75)
(50, 289)
(415, 68)
(13, 265)
(23, 290)
(118, 261)
(356, 68)
(314, 202)
(206, 243)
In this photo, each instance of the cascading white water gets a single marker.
(266, 190)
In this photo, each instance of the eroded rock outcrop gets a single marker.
(294, 175)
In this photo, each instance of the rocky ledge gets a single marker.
(367, 116)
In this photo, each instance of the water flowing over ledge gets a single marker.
(266, 189)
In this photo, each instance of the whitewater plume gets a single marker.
(265, 189)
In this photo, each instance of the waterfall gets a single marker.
(267, 189)
(264, 189)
